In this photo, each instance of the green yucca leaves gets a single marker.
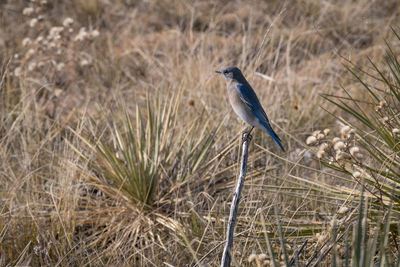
(131, 162)
(377, 128)
(368, 152)
(134, 155)
(376, 123)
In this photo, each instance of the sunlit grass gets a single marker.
(145, 178)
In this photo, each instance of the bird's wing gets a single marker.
(249, 97)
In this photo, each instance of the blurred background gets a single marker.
(118, 144)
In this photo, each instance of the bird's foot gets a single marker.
(246, 136)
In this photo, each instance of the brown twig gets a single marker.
(226, 256)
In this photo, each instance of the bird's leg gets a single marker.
(246, 135)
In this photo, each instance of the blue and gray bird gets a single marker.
(245, 102)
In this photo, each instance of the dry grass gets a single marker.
(61, 97)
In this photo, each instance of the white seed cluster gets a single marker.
(389, 121)
(343, 210)
(336, 149)
(311, 140)
(51, 46)
(33, 22)
(340, 151)
(55, 32)
(347, 132)
(27, 11)
(259, 258)
(83, 35)
(17, 71)
(381, 105)
(321, 237)
(26, 41)
(68, 22)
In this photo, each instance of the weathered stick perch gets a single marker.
(226, 256)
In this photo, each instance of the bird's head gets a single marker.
(231, 74)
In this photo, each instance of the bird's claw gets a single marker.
(246, 136)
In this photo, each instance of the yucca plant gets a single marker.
(133, 155)
(368, 245)
(367, 150)
(370, 137)
(132, 160)
(134, 167)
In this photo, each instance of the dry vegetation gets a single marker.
(93, 92)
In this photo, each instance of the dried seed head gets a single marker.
(17, 71)
(339, 155)
(327, 131)
(380, 105)
(84, 63)
(320, 136)
(52, 45)
(333, 222)
(320, 154)
(345, 130)
(32, 66)
(323, 146)
(30, 52)
(262, 256)
(26, 41)
(315, 133)
(27, 11)
(58, 92)
(55, 32)
(39, 39)
(356, 174)
(335, 140)
(343, 209)
(93, 34)
(33, 22)
(320, 237)
(354, 151)
(311, 140)
(252, 257)
(81, 35)
(68, 22)
(60, 66)
(338, 145)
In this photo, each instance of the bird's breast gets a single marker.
(240, 108)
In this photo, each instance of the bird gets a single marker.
(245, 103)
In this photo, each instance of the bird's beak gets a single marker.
(217, 71)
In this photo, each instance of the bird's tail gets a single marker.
(274, 136)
